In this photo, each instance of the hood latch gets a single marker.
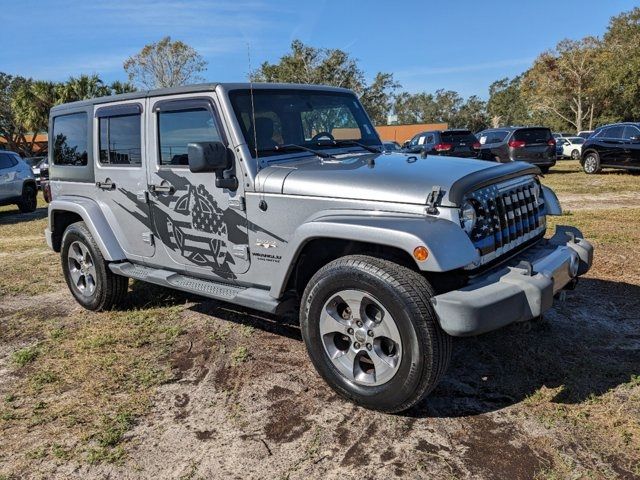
(433, 199)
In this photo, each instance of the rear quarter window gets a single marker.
(70, 140)
(533, 135)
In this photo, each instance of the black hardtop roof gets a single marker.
(200, 87)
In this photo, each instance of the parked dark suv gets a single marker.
(612, 146)
(509, 144)
(454, 143)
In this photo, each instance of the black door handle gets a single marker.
(106, 185)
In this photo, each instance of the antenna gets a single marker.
(253, 108)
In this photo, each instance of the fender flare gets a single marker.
(95, 220)
(449, 246)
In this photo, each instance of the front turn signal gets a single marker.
(420, 253)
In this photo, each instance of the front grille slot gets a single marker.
(508, 215)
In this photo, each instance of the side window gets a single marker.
(70, 139)
(429, 139)
(630, 131)
(613, 132)
(120, 140)
(6, 161)
(178, 128)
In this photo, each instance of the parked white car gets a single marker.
(571, 147)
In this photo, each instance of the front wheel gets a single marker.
(591, 163)
(86, 272)
(372, 334)
(575, 154)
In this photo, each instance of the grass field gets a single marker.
(172, 386)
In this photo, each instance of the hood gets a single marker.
(397, 178)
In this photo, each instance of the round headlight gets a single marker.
(468, 217)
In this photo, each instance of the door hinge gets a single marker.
(143, 196)
(147, 237)
(237, 203)
(240, 251)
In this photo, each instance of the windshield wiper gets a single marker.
(293, 146)
(338, 143)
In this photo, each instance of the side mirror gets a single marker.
(206, 157)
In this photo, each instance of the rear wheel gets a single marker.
(29, 200)
(575, 154)
(591, 163)
(372, 334)
(86, 272)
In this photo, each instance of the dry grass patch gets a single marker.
(76, 392)
(567, 177)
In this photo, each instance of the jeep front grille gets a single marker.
(509, 214)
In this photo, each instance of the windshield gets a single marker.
(300, 117)
(458, 136)
(533, 135)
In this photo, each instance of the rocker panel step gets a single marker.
(248, 297)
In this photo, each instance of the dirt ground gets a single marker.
(179, 387)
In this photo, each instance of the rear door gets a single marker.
(536, 145)
(121, 177)
(6, 181)
(7, 176)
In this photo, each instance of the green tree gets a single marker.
(561, 83)
(321, 66)
(11, 132)
(165, 64)
(618, 73)
(506, 105)
(377, 98)
(415, 108)
(81, 88)
(472, 114)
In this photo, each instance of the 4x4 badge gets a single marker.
(265, 244)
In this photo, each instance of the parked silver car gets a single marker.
(278, 198)
(17, 182)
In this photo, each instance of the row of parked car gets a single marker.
(612, 146)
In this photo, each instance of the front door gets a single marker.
(120, 176)
(202, 228)
(632, 145)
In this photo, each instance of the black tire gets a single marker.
(406, 295)
(591, 163)
(575, 154)
(29, 200)
(545, 169)
(109, 289)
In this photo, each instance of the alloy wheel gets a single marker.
(360, 337)
(82, 268)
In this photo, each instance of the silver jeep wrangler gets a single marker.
(277, 198)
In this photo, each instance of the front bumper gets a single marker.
(518, 291)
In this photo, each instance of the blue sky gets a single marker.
(462, 45)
